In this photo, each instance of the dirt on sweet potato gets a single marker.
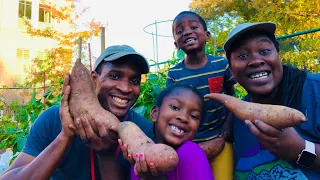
(274, 115)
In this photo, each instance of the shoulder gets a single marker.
(177, 67)
(218, 62)
(190, 150)
(312, 84)
(50, 116)
(217, 59)
(313, 78)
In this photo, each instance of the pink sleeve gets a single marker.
(193, 164)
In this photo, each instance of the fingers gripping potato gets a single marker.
(163, 156)
(83, 101)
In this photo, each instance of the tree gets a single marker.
(290, 16)
(58, 61)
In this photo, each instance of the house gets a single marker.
(17, 48)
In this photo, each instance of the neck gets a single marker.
(196, 60)
(270, 98)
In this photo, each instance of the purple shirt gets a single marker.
(193, 164)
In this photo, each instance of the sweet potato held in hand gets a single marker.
(83, 101)
(274, 115)
(164, 157)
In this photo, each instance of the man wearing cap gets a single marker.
(53, 151)
(262, 151)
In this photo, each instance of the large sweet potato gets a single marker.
(277, 116)
(164, 157)
(83, 101)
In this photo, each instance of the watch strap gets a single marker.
(310, 147)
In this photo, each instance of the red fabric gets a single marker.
(92, 157)
(92, 165)
(215, 84)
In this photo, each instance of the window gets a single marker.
(25, 9)
(23, 61)
(43, 55)
(44, 14)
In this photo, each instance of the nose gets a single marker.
(256, 60)
(187, 32)
(124, 86)
(182, 116)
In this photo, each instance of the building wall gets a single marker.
(14, 40)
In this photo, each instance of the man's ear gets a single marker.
(154, 113)
(94, 78)
(208, 36)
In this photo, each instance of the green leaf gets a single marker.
(21, 144)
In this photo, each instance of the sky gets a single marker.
(126, 20)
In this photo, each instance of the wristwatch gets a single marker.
(308, 155)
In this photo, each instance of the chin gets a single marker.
(118, 113)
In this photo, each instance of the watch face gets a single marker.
(306, 159)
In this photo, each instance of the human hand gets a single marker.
(124, 148)
(285, 144)
(143, 170)
(101, 142)
(65, 116)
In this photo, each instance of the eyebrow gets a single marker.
(194, 109)
(188, 22)
(264, 40)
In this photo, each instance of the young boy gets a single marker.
(209, 74)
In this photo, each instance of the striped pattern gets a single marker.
(215, 112)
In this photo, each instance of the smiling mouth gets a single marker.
(189, 40)
(259, 75)
(177, 130)
(120, 101)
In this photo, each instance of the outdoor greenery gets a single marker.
(222, 15)
(290, 17)
(15, 123)
(55, 62)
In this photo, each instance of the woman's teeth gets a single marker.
(176, 129)
(260, 75)
(120, 101)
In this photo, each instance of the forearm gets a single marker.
(43, 166)
(213, 147)
(109, 166)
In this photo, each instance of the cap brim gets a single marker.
(141, 60)
(268, 27)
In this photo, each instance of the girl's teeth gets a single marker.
(121, 101)
(176, 129)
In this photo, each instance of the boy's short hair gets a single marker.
(202, 21)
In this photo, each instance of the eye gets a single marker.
(173, 107)
(194, 27)
(114, 76)
(242, 56)
(135, 81)
(195, 115)
(179, 32)
(265, 51)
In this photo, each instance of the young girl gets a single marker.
(176, 116)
